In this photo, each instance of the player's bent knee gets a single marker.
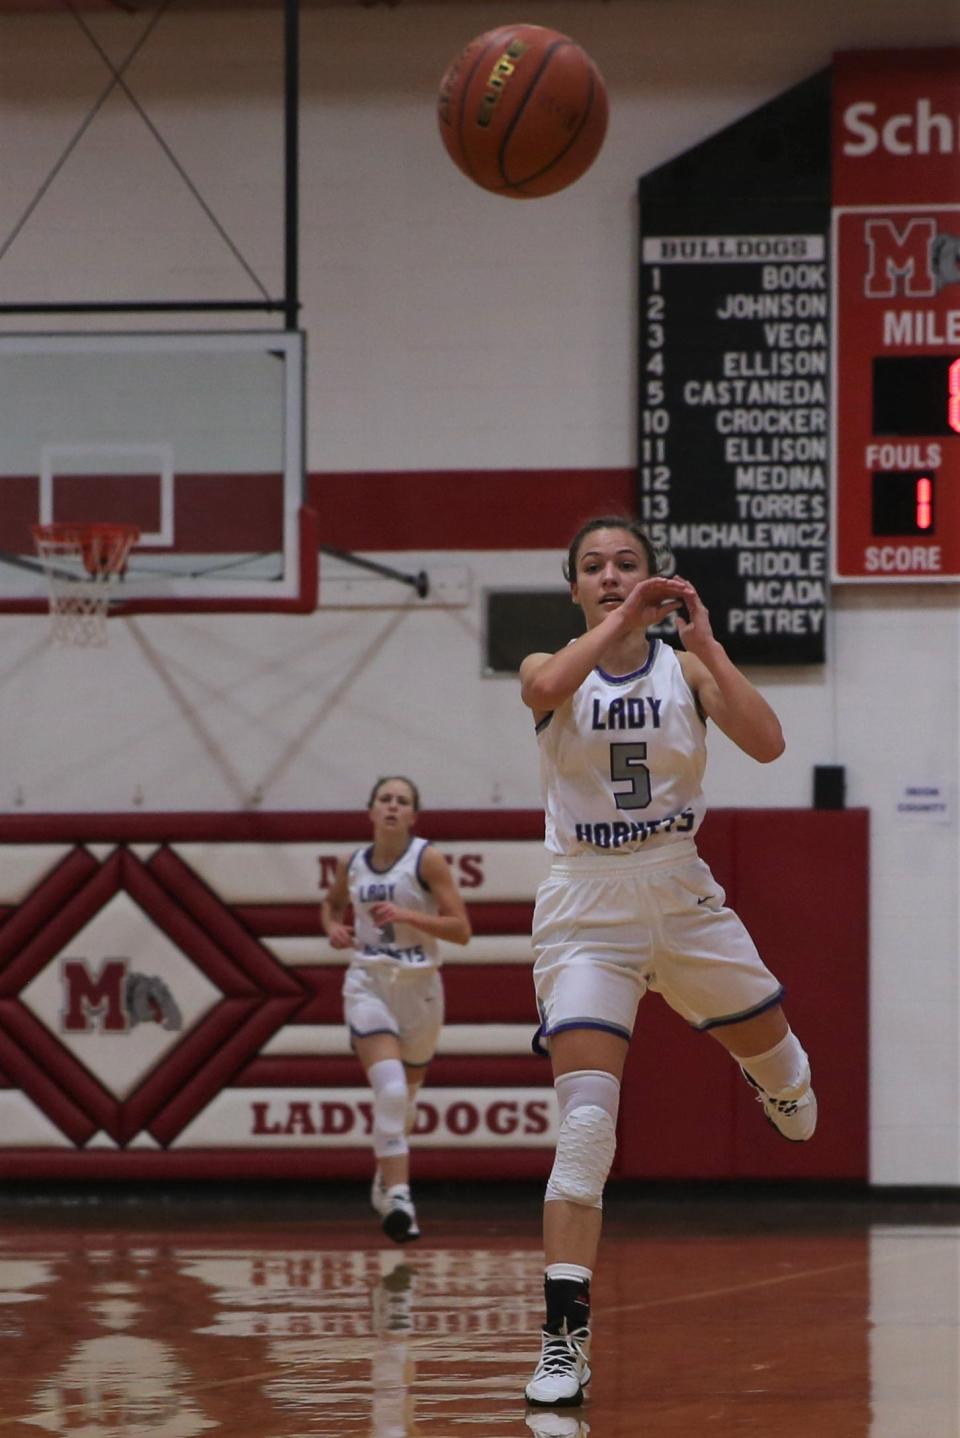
(586, 1145)
(589, 1100)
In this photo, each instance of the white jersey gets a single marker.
(401, 884)
(622, 761)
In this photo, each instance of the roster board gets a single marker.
(733, 449)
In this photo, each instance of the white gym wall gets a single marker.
(450, 330)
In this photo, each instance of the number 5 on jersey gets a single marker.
(626, 765)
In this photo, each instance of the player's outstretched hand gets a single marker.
(693, 620)
(653, 599)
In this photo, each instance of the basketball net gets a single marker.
(82, 563)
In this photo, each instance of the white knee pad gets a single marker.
(589, 1100)
(389, 1086)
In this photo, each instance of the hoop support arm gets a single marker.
(419, 581)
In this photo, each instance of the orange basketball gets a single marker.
(523, 111)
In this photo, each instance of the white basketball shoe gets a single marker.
(399, 1215)
(794, 1116)
(563, 1371)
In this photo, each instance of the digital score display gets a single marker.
(903, 504)
(916, 396)
(897, 413)
(913, 397)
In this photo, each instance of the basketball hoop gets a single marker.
(82, 563)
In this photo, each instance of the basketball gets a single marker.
(523, 111)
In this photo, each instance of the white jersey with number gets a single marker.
(400, 884)
(622, 760)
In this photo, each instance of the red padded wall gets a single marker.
(798, 879)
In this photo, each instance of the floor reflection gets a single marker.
(358, 1341)
(393, 1364)
(318, 1328)
(558, 1425)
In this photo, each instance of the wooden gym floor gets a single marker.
(262, 1313)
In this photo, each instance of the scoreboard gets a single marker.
(799, 365)
(896, 316)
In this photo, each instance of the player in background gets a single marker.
(628, 904)
(404, 901)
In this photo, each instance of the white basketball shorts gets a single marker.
(392, 998)
(607, 929)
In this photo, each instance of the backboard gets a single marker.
(197, 439)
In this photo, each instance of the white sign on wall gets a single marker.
(931, 803)
(343, 1118)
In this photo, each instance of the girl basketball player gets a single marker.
(628, 904)
(404, 900)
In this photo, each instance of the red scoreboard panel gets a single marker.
(896, 315)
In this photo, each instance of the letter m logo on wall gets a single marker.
(900, 261)
(92, 1001)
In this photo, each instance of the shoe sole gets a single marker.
(397, 1226)
(573, 1402)
(785, 1136)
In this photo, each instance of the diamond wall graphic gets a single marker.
(126, 1009)
(120, 996)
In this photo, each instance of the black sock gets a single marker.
(568, 1304)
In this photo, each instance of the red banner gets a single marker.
(896, 127)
